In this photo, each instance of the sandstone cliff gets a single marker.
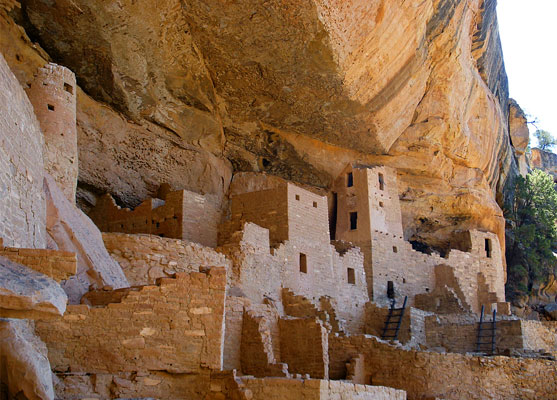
(544, 160)
(192, 92)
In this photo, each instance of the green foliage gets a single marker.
(545, 140)
(533, 219)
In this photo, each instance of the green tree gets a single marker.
(533, 218)
(545, 140)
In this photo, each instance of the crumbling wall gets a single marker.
(22, 202)
(449, 376)
(180, 214)
(234, 315)
(213, 386)
(261, 273)
(368, 214)
(176, 326)
(266, 208)
(314, 389)
(255, 272)
(260, 350)
(53, 95)
(304, 346)
(144, 258)
(59, 265)
(376, 316)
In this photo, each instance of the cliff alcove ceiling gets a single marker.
(191, 92)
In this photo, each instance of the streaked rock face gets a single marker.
(299, 88)
(28, 373)
(69, 229)
(518, 128)
(544, 160)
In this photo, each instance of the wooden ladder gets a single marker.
(393, 321)
(487, 333)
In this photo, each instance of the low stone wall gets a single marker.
(144, 258)
(59, 265)
(449, 376)
(511, 335)
(309, 389)
(176, 326)
(375, 318)
(212, 386)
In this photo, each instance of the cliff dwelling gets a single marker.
(201, 202)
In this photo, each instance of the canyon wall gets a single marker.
(190, 93)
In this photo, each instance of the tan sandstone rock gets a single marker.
(518, 127)
(25, 369)
(296, 88)
(544, 160)
(71, 230)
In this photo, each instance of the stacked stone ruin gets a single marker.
(278, 293)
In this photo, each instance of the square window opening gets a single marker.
(315, 204)
(351, 276)
(303, 263)
(353, 221)
(50, 107)
(381, 204)
(68, 88)
(350, 180)
(395, 249)
(298, 197)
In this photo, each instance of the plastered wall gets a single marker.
(53, 95)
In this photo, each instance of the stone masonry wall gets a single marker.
(266, 208)
(294, 223)
(255, 272)
(176, 326)
(304, 346)
(213, 386)
(258, 274)
(59, 265)
(313, 389)
(53, 95)
(144, 258)
(22, 202)
(449, 376)
(369, 196)
(180, 215)
(461, 337)
(234, 315)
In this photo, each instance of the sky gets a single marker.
(528, 32)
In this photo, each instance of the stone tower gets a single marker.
(53, 95)
(367, 206)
